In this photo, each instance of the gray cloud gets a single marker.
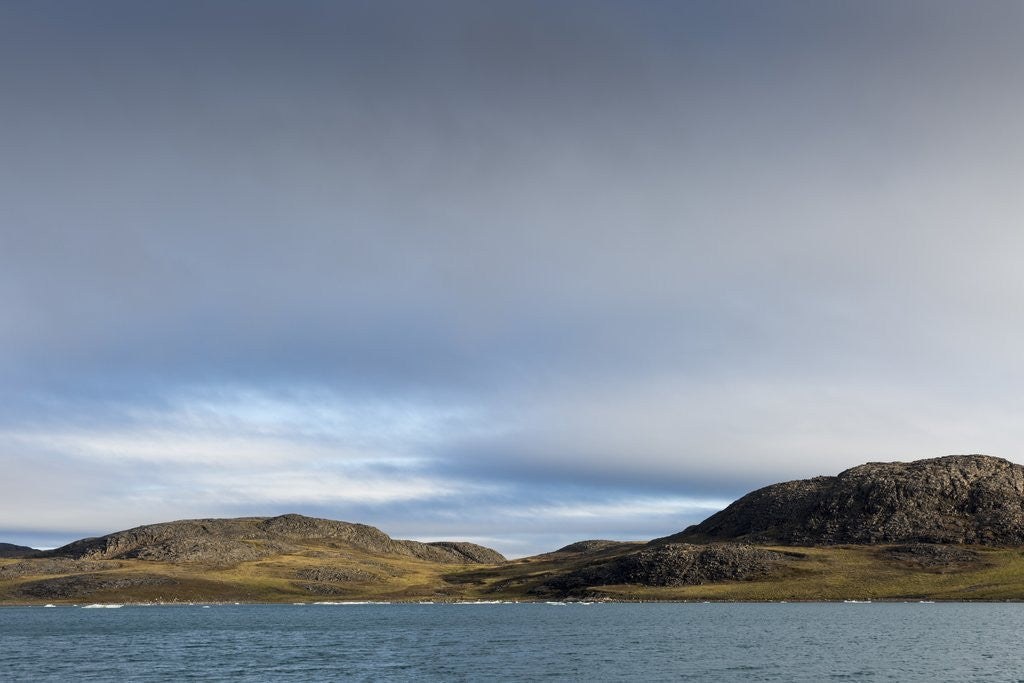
(595, 252)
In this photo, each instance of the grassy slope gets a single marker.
(825, 573)
(270, 580)
(856, 572)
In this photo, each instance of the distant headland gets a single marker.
(943, 528)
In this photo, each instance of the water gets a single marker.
(649, 642)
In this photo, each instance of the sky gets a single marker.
(520, 273)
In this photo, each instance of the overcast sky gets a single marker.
(514, 272)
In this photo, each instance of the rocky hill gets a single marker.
(244, 539)
(947, 528)
(11, 550)
(672, 564)
(258, 559)
(958, 499)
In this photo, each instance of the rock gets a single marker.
(71, 587)
(52, 566)
(958, 499)
(471, 552)
(675, 564)
(244, 539)
(201, 541)
(336, 575)
(589, 546)
(9, 550)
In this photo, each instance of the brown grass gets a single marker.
(822, 573)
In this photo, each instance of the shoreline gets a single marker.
(328, 603)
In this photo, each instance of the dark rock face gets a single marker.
(589, 546)
(230, 541)
(675, 564)
(332, 580)
(8, 550)
(972, 499)
(473, 553)
(335, 575)
(207, 541)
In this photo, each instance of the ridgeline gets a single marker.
(959, 499)
(246, 539)
(945, 528)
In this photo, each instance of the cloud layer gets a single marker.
(522, 272)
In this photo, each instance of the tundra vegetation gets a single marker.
(941, 529)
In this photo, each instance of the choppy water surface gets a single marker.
(707, 642)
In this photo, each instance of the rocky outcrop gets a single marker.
(230, 541)
(333, 581)
(675, 564)
(84, 585)
(589, 546)
(52, 567)
(958, 499)
(336, 575)
(473, 553)
(9, 550)
(931, 557)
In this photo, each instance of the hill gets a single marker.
(11, 550)
(945, 528)
(958, 499)
(230, 541)
(257, 559)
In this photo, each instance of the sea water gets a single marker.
(635, 642)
